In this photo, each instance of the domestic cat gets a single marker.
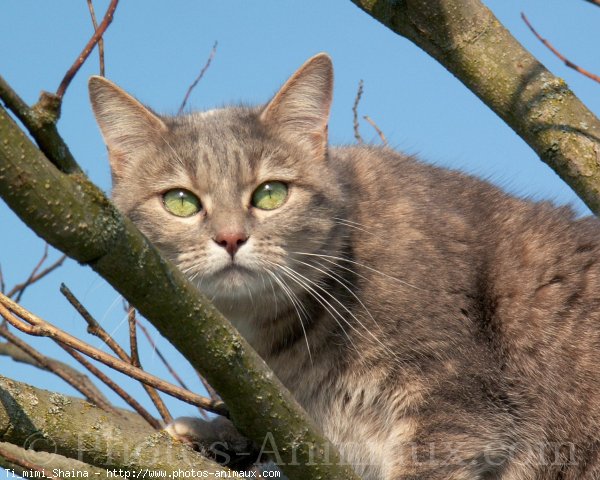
(432, 325)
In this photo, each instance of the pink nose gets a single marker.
(231, 241)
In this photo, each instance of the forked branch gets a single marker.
(33, 325)
(100, 40)
(67, 374)
(94, 328)
(85, 53)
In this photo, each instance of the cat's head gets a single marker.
(239, 198)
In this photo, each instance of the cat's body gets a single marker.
(433, 326)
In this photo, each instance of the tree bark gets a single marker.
(467, 39)
(73, 215)
(55, 423)
(49, 461)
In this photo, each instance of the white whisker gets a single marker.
(296, 304)
(354, 317)
(293, 275)
(333, 257)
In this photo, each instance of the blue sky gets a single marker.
(155, 49)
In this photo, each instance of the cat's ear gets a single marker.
(125, 123)
(300, 109)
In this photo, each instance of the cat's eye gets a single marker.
(181, 203)
(270, 195)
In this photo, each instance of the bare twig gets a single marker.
(95, 329)
(101, 40)
(594, 2)
(106, 21)
(2, 284)
(38, 327)
(198, 78)
(170, 368)
(160, 355)
(10, 350)
(564, 59)
(135, 356)
(359, 93)
(34, 276)
(90, 394)
(377, 129)
(211, 391)
(114, 387)
(135, 361)
(25, 464)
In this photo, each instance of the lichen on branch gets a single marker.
(55, 423)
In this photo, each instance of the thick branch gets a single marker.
(49, 461)
(77, 429)
(93, 232)
(41, 126)
(466, 38)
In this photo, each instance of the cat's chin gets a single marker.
(233, 283)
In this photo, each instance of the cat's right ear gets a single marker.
(300, 109)
(126, 124)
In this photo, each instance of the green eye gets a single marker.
(181, 203)
(270, 195)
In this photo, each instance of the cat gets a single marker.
(434, 326)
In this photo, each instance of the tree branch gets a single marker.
(377, 129)
(16, 354)
(94, 328)
(355, 123)
(49, 461)
(560, 56)
(98, 32)
(132, 402)
(41, 126)
(94, 232)
(198, 78)
(25, 465)
(100, 40)
(77, 381)
(35, 276)
(466, 38)
(33, 325)
(77, 429)
(171, 370)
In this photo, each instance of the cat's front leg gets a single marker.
(218, 439)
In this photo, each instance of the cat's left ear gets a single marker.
(300, 110)
(127, 126)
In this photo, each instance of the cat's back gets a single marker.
(506, 289)
(529, 269)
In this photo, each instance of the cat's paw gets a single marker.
(217, 439)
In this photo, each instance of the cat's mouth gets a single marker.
(233, 275)
(232, 282)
